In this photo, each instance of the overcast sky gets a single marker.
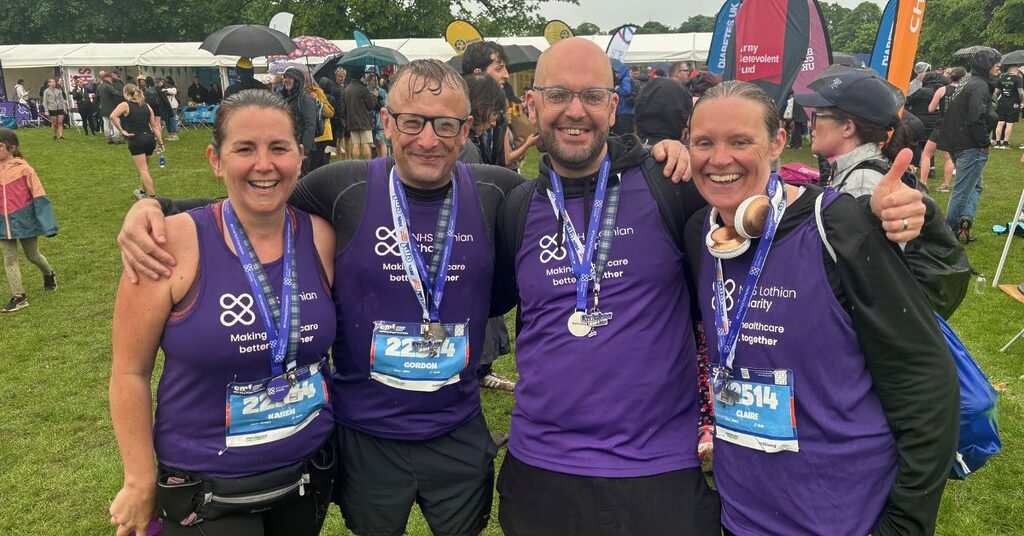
(608, 14)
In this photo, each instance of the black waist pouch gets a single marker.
(186, 498)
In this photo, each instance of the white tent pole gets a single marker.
(1009, 238)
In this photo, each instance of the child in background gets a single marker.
(27, 214)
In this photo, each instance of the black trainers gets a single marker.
(50, 281)
(18, 301)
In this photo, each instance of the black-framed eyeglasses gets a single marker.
(557, 98)
(412, 124)
(815, 116)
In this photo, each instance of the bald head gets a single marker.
(574, 55)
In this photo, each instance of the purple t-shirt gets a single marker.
(839, 480)
(216, 337)
(622, 403)
(371, 285)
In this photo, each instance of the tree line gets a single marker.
(948, 25)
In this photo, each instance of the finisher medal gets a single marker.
(436, 333)
(278, 388)
(577, 326)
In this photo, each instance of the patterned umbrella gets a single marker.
(307, 46)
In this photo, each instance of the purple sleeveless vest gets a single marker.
(622, 403)
(370, 285)
(840, 479)
(218, 337)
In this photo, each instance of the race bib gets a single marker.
(402, 356)
(254, 419)
(754, 409)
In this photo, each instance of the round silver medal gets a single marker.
(577, 326)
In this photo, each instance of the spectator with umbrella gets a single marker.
(359, 107)
(244, 71)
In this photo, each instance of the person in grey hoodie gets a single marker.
(304, 109)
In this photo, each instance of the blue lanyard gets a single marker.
(729, 330)
(581, 261)
(281, 336)
(412, 259)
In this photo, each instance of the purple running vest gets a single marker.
(217, 339)
(622, 403)
(840, 479)
(371, 285)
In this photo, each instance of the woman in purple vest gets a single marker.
(836, 400)
(243, 422)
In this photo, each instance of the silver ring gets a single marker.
(906, 225)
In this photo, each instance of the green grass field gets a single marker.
(59, 463)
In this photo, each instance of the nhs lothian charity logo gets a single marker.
(550, 249)
(237, 310)
(388, 244)
(730, 289)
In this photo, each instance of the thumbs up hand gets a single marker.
(898, 205)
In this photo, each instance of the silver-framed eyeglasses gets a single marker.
(557, 98)
(412, 124)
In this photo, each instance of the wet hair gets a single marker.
(486, 97)
(10, 139)
(957, 74)
(478, 55)
(430, 75)
(750, 92)
(905, 135)
(134, 94)
(247, 98)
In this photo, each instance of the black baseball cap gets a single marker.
(858, 92)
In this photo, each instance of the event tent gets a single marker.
(35, 63)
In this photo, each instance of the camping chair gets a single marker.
(1018, 218)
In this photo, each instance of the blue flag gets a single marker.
(883, 40)
(3, 86)
(361, 39)
(724, 29)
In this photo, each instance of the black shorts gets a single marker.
(1008, 114)
(55, 113)
(143, 143)
(451, 478)
(538, 502)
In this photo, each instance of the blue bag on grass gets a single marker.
(979, 429)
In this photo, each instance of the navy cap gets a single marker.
(856, 91)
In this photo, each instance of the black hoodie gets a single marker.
(970, 117)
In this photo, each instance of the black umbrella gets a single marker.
(969, 51)
(328, 67)
(251, 40)
(842, 58)
(1014, 58)
(520, 58)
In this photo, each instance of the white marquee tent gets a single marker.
(35, 63)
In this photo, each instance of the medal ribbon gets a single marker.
(427, 284)
(727, 336)
(283, 337)
(581, 256)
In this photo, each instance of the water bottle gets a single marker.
(163, 161)
(980, 283)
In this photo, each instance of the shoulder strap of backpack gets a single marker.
(821, 227)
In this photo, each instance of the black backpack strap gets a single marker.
(509, 238)
(882, 166)
(676, 202)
